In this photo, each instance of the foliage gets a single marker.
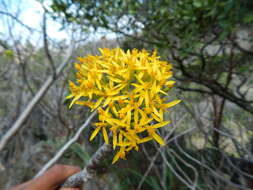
(200, 37)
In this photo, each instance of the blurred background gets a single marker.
(210, 45)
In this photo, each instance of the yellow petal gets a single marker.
(107, 101)
(97, 103)
(120, 137)
(114, 140)
(124, 144)
(128, 117)
(158, 125)
(115, 111)
(70, 96)
(155, 117)
(147, 98)
(173, 103)
(105, 136)
(139, 79)
(143, 114)
(115, 80)
(153, 88)
(156, 111)
(145, 122)
(130, 148)
(158, 138)
(170, 83)
(116, 122)
(98, 84)
(85, 103)
(140, 100)
(136, 116)
(161, 114)
(146, 139)
(163, 92)
(95, 132)
(75, 99)
(116, 158)
(136, 148)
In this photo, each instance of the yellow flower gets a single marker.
(129, 91)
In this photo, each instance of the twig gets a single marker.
(45, 41)
(212, 171)
(88, 172)
(167, 140)
(66, 146)
(39, 95)
(189, 165)
(175, 172)
(16, 19)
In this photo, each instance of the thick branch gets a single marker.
(223, 92)
(215, 87)
(88, 172)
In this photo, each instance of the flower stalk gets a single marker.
(89, 171)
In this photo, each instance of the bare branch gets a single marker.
(88, 172)
(18, 21)
(49, 56)
(59, 154)
(39, 95)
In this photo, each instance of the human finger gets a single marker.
(21, 186)
(54, 177)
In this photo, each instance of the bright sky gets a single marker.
(31, 15)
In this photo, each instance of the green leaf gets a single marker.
(248, 18)
(80, 152)
(197, 4)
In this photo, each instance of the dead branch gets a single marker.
(59, 154)
(39, 95)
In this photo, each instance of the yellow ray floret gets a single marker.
(129, 90)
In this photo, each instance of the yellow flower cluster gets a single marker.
(129, 91)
